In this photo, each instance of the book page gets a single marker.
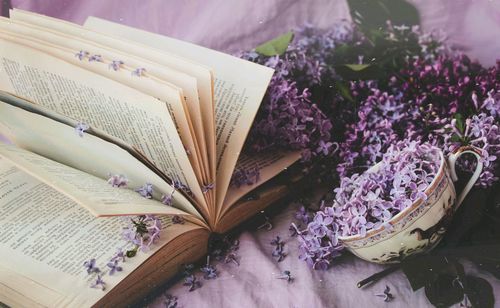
(202, 74)
(58, 141)
(269, 165)
(122, 112)
(46, 238)
(153, 81)
(239, 88)
(90, 192)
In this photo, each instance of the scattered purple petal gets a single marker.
(146, 191)
(99, 283)
(118, 180)
(91, 267)
(139, 72)
(387, 296)
(95, 58)
(178, 220)
(81, 128)
(287, 275)
(114, 266)
(82, 54)
(192, 283)
(116, 64)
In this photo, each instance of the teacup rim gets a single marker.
(404, 212)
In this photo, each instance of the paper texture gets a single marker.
(91, 192)
(96, 156)
(43, 232)
(201, 73)
(154, 81)
(239, 88)
(125, 113)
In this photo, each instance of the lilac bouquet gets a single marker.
(368, 201)
(411, 92)
(357, 100)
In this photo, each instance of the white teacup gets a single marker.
(421, 226)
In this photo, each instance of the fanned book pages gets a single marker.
(107, 122)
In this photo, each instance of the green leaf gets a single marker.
(460, 122)
(455, 138)
(359, 71)
(357, 67)
(479, 292)
(343, 90)
(132, 252)
(276, 46)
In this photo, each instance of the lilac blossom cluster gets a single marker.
(142, 231)
(420, 102)
(481, 130)
(288, 117)
(369, 200)
(245, 176)
(304, 110)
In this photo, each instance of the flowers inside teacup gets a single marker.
(397, 208)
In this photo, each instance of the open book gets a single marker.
(81, 104)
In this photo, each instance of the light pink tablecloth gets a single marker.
(233, 25)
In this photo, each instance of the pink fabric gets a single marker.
(235, 25)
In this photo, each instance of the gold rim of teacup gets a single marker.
(394, 220)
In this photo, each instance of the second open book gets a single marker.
(152, 109)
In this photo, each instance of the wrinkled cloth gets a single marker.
(254, 283)
(238, 25)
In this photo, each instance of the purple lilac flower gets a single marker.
(143, 231)
(139, 72)
(146, 191)
(82, 54)
(168, 199)
(419, 103)
(114, 266)
(206, 188)
(99, 283)
(278, 242)
(192, 283)
(95, 58)
(387, 296)
(288, 118)
(287, 275)
(116, 64)
(119, 255)
(179, 220)
(303, 215)
(91, 267)
(482, 132)
(245, 176)
(209, 271)
(118, 180)
(178, 185)
(170, 301)
(232, 257)
(368, 201)
(416, 104)
(278, 252)
(81, 128)
(293, 230)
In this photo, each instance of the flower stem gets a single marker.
(377, 276)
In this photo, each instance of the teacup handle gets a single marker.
(452, 159)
